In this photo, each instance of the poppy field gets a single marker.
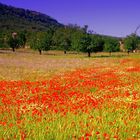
(99, 101)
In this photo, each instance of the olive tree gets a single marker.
(41, 41)
(111, 45)
(131, 42)
(13, 41)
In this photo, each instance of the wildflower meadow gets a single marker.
(96, 100)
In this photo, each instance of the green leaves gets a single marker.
(93, 89)
(111, 45)
(62, 38)
(41, 41)
(86, 43)
(22, 38)
(131, 42)
(13, 42)
(91, 43)
(97, 43)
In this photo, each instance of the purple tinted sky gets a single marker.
(110, 17)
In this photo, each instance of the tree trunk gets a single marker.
(110, 53)
(13, 48)
(128, 52)
(89, 54)
(40, 52)
(65, 52)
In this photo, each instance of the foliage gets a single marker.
(18, 19)
(86, 45)
(76, 40)
(111, 45)
(131, 42)
(71, 37)
(4, 39)
(22, 38)
(13, 42)
(41, 41)
(62, 38)
(97, 43)
(1, 41)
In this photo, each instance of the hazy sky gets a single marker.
(110, 17)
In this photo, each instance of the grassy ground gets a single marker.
(28, 65)
(69, 97)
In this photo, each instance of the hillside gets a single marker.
(12, 18)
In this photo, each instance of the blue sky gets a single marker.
(109, 17)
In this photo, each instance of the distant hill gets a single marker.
(13, 19)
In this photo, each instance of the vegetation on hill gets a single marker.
(12, 18)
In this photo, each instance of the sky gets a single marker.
(109, 17)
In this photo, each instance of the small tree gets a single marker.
(13, 41)
(111, 45)
(62, 39)
(131, 42)
(1, 41)
(65, 44)
(97, 43)
(86, 44)
(41, 41)
(22, 38)
(76, 40)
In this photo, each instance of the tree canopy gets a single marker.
(41, 41)
(111, 45)
(131, 42)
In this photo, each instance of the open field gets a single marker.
(28, 65)
(69, 97)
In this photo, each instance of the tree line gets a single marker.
(68, 38)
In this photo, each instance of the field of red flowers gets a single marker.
(94, 103)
